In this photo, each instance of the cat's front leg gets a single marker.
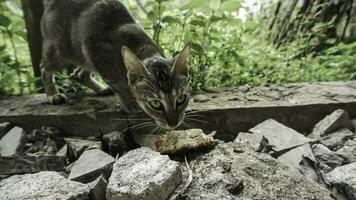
(53, 95)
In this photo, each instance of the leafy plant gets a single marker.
(15, 72)
(227, 49)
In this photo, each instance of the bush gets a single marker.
(228, 51)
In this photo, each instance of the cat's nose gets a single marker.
(173, 122)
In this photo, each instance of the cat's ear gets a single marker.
(180, 62)
(133, 64)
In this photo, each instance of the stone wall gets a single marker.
(230, 111)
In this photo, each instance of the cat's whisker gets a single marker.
(138, 125)
(197, 120)
(196, 111)
(128, 119)
(196, 115)
(148, 125)
(186, 125)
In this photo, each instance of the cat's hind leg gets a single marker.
(87, 78)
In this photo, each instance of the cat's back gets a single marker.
(66, 24)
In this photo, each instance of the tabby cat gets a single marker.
(101, 36)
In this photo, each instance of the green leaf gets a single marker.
(170, 20)
(197, 47)
(234, 21)
(14, 8)
(22, 34)
(4, 21)
(215, 4)
(2, 48)
(192, 4)
(230, 6)
(198, 23)
(152, 16)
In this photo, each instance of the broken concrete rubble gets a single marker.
(143, 174)
(278, 136)
(295, 159)
(63, 151)
(114, 143)
(77, 146)
(337, 139)
(235, 171)
(30, 164)
(336, 120)
(13, 142)
(42, 142)
(327, 158)
(349, 150)
(344, 179)
(90, 165)
(98, 188)
(4, 128)
(42, 186)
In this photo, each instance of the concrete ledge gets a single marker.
(299, 106)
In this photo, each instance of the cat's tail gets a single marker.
(33, 11)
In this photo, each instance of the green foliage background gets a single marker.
(227, 50)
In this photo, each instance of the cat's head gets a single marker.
(160, 86)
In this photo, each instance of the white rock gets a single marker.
(344, 179)
(143, 174)
(42, 186)
(12, 142)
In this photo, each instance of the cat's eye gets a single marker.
(181, 99)
(157, 105)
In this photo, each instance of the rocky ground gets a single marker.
(270, 161)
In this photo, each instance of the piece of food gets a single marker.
(174, 142)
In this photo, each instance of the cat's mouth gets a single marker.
(168, 127)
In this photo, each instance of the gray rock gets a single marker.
(77, 146)
(336, 120)
(327, 158)
(349, 150)
(235, 171)
(344, 179)
(90, 165)
(143, 174)
(98, 188)
(337, 139)
(13, 142)
(200, 98)
(279, 137)
(353, 121)
(294, 158)
(302, 160)
(63, 151)
(42, 186)
(4, 128)
(114, 143)
(30, 164)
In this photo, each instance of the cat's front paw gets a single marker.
(57, 99)
(132, 108)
